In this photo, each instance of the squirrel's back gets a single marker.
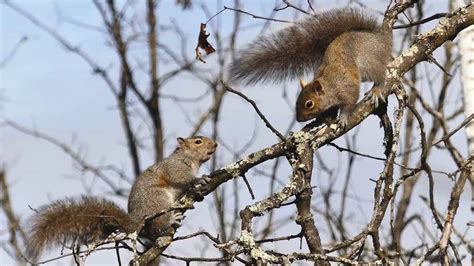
(77, 221)
(298, 49)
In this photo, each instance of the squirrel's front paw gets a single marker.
(376, 96)
(202, 181)
(343, 120)
(176, 219)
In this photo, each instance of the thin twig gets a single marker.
(265, 120)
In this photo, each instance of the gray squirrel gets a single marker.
(342, 47)
(89, 220)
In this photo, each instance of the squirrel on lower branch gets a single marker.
(343, 47)
(90, 220)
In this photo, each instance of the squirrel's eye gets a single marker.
(198, 141)
(309, 104)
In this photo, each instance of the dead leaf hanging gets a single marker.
(203, 43)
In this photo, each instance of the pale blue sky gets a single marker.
(46, 87)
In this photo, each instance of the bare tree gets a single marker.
(311, 183)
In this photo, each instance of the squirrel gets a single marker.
(343, 47)
(90, 220)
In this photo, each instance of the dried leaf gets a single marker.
(203, 43)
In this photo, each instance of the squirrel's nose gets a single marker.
(215, 145)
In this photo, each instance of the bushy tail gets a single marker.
(74, 221)
(298, 49)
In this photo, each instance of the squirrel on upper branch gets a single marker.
(90, 220)
(343, 47)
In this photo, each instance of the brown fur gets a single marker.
(88, 220)
(350, 59)
(77, 221)
(298, 49)
(161, 184)
(342, 47)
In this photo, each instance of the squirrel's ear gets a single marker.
(180, 141)
(317, 86)
(302, 84)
